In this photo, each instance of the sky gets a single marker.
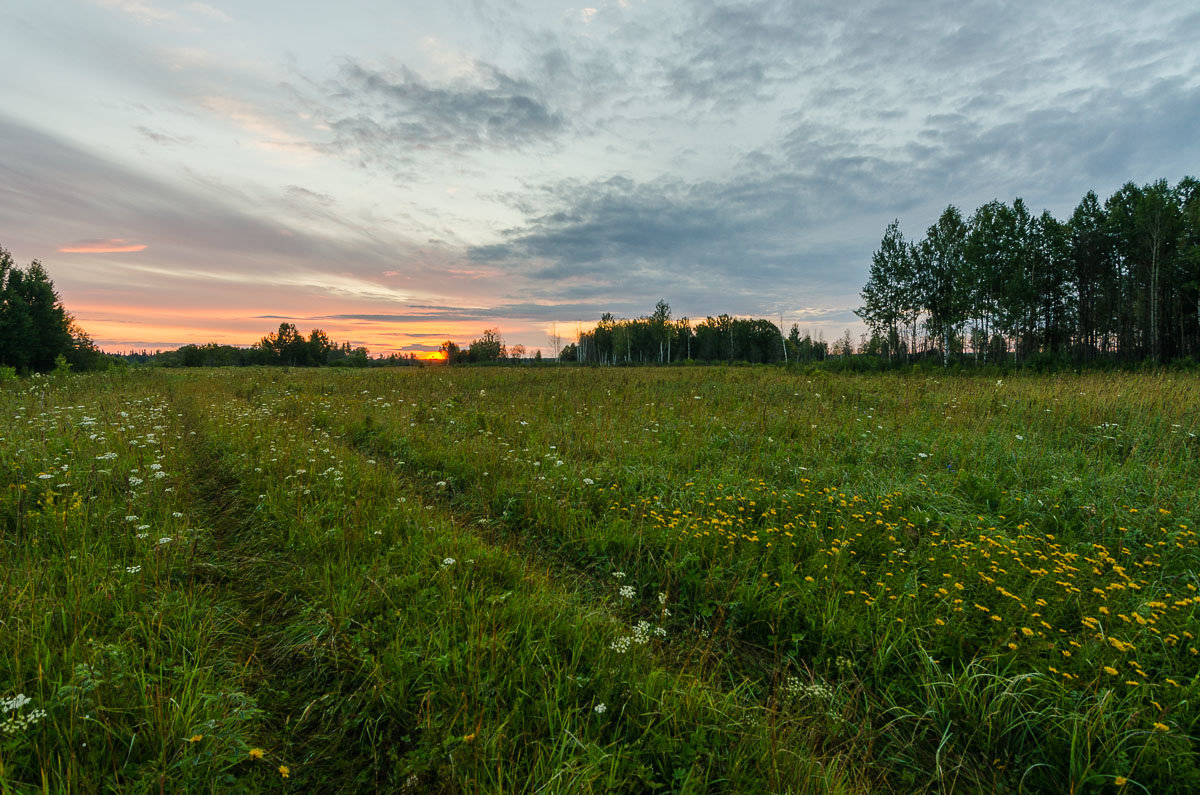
(400, 173)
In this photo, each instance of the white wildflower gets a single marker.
(16, 702)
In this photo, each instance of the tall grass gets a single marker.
(596, 580)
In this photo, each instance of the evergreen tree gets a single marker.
(35, 328)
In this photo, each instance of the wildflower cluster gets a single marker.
(16, 720)
(1084, 615)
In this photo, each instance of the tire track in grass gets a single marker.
(133, 642)
(226, 565)
(533, 541)
(720, 655)
(555, 571)
(587, 634)
(246, 567)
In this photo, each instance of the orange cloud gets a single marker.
(115, 245)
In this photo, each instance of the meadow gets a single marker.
(599, 579)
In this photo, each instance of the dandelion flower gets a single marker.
(256, 753)
(284, 771)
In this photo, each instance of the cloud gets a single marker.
(747, 239)
(114, 245)
(148, 12)
(385, 117)
(730, 55)
(205, 10)
(268, 131)
(163, 138)
(304, 194)
(512, 311)
(141, 10)
(203, 233)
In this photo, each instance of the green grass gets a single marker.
(687, 580)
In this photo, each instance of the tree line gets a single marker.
(658, 338)
(286, 347)
(1119, 279)
(37, 334)
(489, 348)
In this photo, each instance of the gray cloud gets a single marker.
(801, 218)
(510, 311)
(390, 117)
(299, 193)
(729, 55)
(164, 138)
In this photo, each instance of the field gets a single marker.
(596, 580)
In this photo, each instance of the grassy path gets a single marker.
(406, 631)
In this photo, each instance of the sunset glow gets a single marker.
(110, 246)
